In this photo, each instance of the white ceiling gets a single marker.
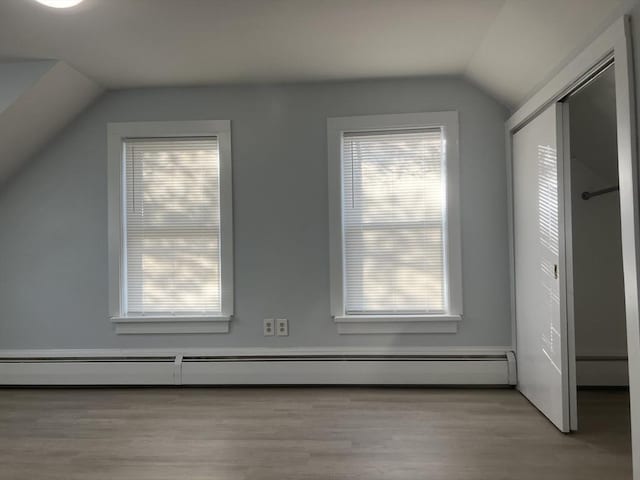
(506, 46)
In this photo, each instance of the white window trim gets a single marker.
(357, 324)
(154, 324)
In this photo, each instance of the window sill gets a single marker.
(171, 325)
(380, 324)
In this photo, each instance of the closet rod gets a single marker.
(588, 195)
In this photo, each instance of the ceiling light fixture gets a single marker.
(59, 3)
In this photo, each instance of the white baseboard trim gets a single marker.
(602, 371)
(251, 351)
(260, 366)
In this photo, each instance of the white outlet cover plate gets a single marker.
(282, 327)
(269, 327)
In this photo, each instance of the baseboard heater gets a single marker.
(498, 369)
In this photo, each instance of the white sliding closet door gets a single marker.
(541, 314)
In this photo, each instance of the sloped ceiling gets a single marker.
(508, 47)
(530, 39)
(18, 77)
(37, 99)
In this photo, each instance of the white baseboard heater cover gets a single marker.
(346, 371)
(262, 370)
(87, 371)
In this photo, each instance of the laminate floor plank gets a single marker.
(305, 434)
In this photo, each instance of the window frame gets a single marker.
(118, 133)
(446, 322)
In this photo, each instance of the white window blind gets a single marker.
(172, 226)
(394, 222)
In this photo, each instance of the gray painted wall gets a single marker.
(53, 216)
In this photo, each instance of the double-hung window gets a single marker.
(170, 227)
(395, 242)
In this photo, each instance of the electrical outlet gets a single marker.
(282, 327)
(269, 327)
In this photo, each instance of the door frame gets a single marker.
(614, 42)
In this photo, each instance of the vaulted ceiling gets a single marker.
(37, 99)
(505, 46)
